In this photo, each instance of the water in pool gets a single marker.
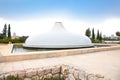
(20, 49)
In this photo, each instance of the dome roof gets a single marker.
(58, 37)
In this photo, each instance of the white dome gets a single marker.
(58, 37)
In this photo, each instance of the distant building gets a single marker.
(15, 36)
(111, 39)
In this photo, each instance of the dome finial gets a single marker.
(58, 26)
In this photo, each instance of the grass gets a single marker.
(17, 78)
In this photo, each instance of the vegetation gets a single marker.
(17, 78)
(13, 78)
(88, 32)
(93, 35)
(19, 40)
(53, 78)
(98, 35)
(94, 38)
(1, 36)
(118, 33)
(9, 32)
(16, 40)
(4, 31)
(5, 36)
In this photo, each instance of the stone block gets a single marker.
(30, 73)
(47, 70)
(56, 75)
(14, 74)
(71, 70)
(91, 77)
(71, 77)
(1, 77)
(41, 78)
(100, 79)
(56, 69)
(99, 76)
(82, 75)
(76, 74)
(107, 79)
(44, 77)
(21, 74)
(6, 75)
(35, 78)
(65, 69)
(40, 72)
(49, 75)
(67, 79)
(27, 79)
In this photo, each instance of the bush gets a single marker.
(16, 40)
(13, 78)
(5, 40)
(17, 78)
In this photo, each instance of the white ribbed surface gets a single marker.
(58, 37)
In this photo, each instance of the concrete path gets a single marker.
(106, 63)
(5, 49)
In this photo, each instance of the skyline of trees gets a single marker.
(5, 36)
(6, 33)
(97, 38)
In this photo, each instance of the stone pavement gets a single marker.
(106, 63)
(5, 49)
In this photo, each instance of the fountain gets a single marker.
(58, 37)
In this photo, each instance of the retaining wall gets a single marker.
(57, 53)
(60, 71)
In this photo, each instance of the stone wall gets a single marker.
(60, 71)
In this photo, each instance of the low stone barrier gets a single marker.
(65, 72)
(57, 53)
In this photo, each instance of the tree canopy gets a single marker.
(4, 34)
(9, 31)
(93, 35)
(118, 33)
(88, 32)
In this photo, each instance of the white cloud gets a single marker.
(2, 22)
(109, 26)
(38, 26)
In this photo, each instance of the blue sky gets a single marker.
(84, 9)
(78, 15)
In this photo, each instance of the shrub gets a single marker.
(13, 78)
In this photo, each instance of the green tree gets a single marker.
(88, 32)
(5, 31)
(98, 35)
(118, 33)
(5, 40)
(9, 31)
(93, 35)
(1, 36)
